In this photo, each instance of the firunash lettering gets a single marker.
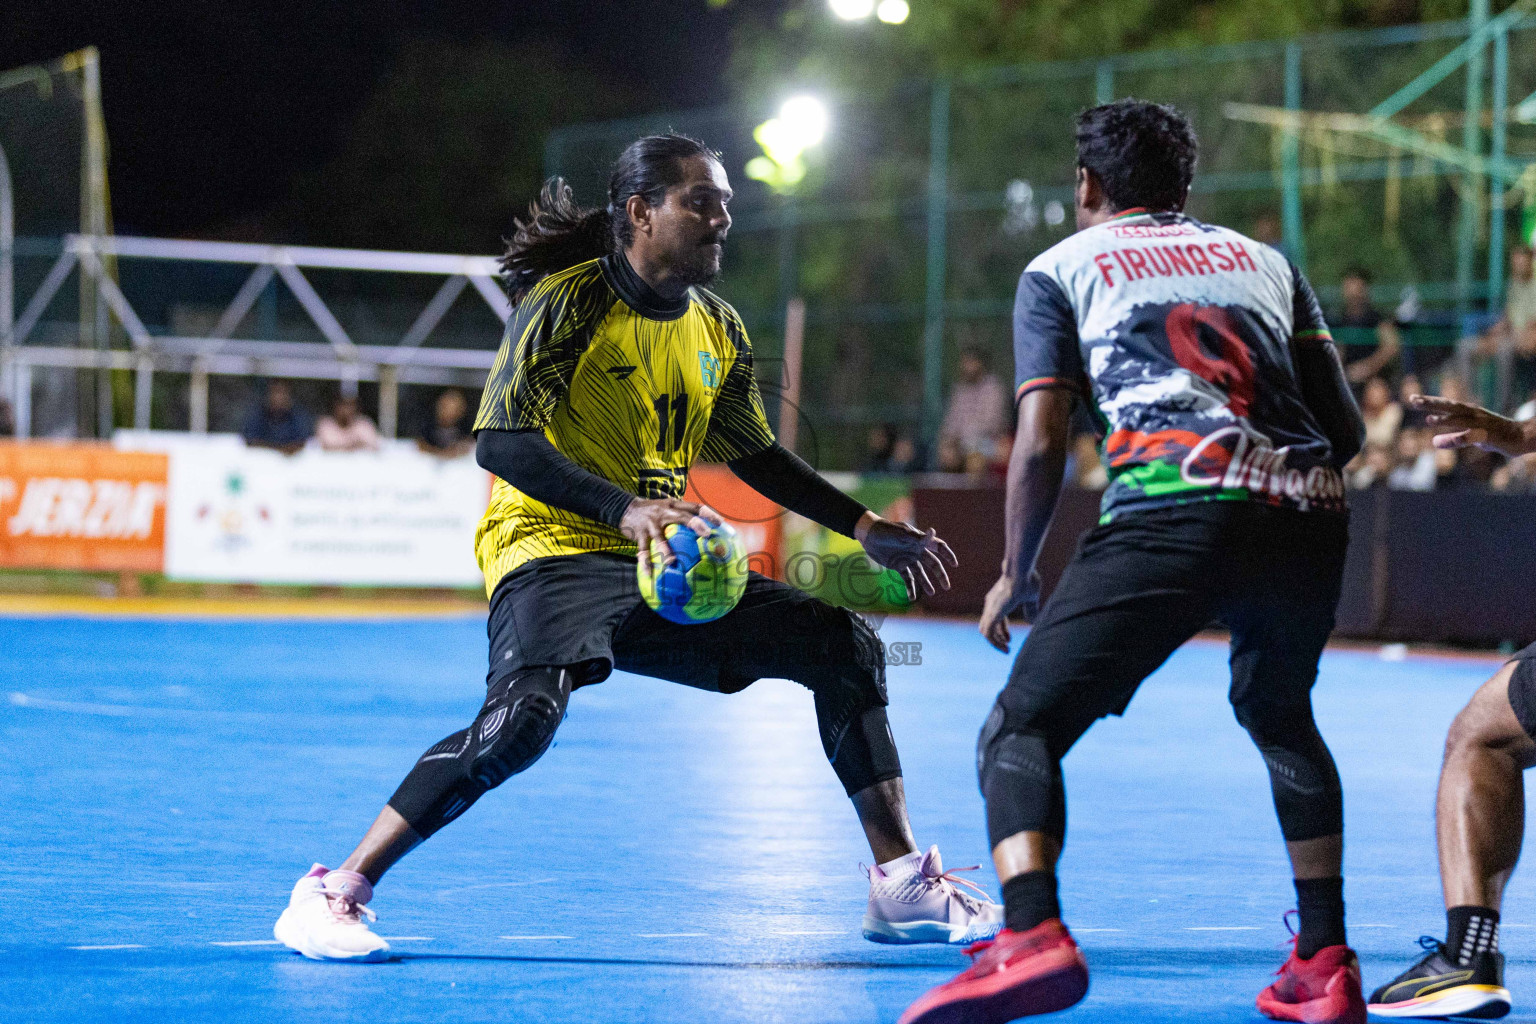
(1257, 467)
(1190, 260)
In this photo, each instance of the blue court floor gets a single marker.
(677, 856)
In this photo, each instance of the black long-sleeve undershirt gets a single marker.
(780, 475)
(528, 461)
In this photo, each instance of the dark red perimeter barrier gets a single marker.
(1454, 567)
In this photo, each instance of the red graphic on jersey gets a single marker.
(1136, 447)
(1232, 370)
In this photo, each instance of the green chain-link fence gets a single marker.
(923, 206)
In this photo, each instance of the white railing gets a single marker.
(339, 358)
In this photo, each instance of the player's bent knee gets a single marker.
(513, 730)
(1020, 780)
(1303, 779)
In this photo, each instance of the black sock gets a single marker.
(1320, 904)
(1030, 899)
(1470, 931)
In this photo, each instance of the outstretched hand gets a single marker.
(920, 558)
(1460, 425)
(1008, 595)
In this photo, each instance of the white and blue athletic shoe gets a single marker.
(915, 900)
(324, 918)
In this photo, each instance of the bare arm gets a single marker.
(1035, 472)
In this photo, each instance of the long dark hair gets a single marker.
(560, 233)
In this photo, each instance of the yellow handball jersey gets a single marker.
(622, 384)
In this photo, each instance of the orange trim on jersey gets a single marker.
(1135, 211)
(1035, 383)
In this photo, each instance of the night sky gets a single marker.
(213, 108)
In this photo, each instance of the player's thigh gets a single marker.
(1502, 713)
(776, 631)
(1131, 596)
(1281, 604)
(561, 611)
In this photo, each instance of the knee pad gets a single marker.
(512, 731)
(1020, 780)
(850, 711)
(516, 727)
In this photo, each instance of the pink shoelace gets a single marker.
(972, 903)
(346, 908)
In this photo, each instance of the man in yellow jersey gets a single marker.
(617, 371)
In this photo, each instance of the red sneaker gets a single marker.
(1017, 974)
(1322, 990)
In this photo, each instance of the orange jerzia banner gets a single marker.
(759, 521)
(81, 506)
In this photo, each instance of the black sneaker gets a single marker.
(1438, 986)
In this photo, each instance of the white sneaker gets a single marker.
(324, 919)
(915, 900)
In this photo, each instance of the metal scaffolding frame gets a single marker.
(217, 353)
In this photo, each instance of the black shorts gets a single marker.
(1142, 585)
(1522, 689)
(584, 612)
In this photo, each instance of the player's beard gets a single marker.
(702, 265)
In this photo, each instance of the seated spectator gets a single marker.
(1517, 476)
(978, 407)
(278, 423)
(889, 450)
(1358, 317)
(951, 456)
(1383, 416)
(1511, 339)
(1412, 418)
(445, 434)
(7, 419)
(1085, 468)
(1371, 468)
(346, 429)
(1416, 469)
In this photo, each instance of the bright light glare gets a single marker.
(852, 10)
(893, 12)
(805, 117)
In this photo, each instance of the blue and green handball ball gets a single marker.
(704, 581)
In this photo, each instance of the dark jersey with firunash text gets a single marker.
(1180, 337)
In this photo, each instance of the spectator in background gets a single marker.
(1519, 318)
(1363, 360)
(1416, 469)
(978, 409)
(7, 419)
(1412, 418)
(951, 457)
(445, 434)
(346, 429)
(1085, 467)
(888, 450)
(1383, 416)
(1511, 340)
(277, 422)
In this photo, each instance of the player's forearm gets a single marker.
(526, 460)
(781, 476)
(1034, 486)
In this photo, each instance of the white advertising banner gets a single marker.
(395, 517)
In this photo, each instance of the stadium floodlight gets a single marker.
(801, 124)
(852, 10)
(893, 12)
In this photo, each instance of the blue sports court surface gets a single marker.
(677, 856)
